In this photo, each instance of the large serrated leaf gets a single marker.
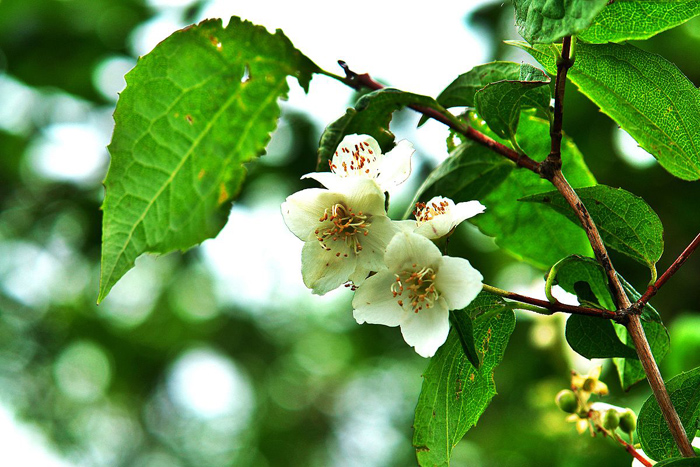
(499, 103)
(547, 21)
(454, 393)
(648, 96)
(530, 232)
(626, 223)
(654, 435)
(197, 107)
(370, 116)
(635, 20)
(471, 172)
(680, 462)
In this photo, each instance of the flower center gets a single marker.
(343, 225)
(360, 161)
(425, 213)
(418, 287)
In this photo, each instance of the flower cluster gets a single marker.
(401, 278)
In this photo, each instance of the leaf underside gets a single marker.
(197, 107)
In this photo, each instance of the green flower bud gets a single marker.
(628, 421)
(611, 419)
(567, 401)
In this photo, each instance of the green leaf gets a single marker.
(547, 21)
(464, 327)
(470, 172)
(454, 393)
(461, 92)
(595, 338)
(370, 116)
(626, 223)
(680, 462)
(529, 231)
(196, 108)
(649, 313)
(648, 96)
(589, 336)
(499, 103)
(631, 371)
(654, 435)
(634, 19)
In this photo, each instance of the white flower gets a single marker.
(417, 291)
(360, 156)
(439, 216)
(346, 232)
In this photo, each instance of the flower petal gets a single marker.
(408, 248)
(302, 210)
(466, 210)
(427, 330)
(357, 155)
(437, 227)
(364, 195)
(324, 270)
(395, 167)
(328, 179)
(408, 226)
(458, 282)
(374, 302)
(374, 245)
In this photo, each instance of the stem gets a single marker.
(553, 307)
(358, 81)
(651, 291)
(633, 452)
(564, 62)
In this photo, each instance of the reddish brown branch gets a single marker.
(553, 161)
(652, 289)
(634, 453)
(364, 80)
(558, 306)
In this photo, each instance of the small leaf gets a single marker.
(463, 326)
(648, 96)
(499, 103)
(679, 462)
(196, 108)
(626, 20)
(654, 435)
(528, 231)
(454, 393)
(470, 172)
(370, 116)
(626, 223)
(547, 21)
(631, 371)
(461, 92)
(595, 338)
(589, 336)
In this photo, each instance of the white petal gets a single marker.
(408, 226)
(457, 282)
(325, 270)
(437, 227)
(466, 210)
(357, 155)
(396, 165)
(407, 248)
(364, 195)
(374, 245)
(374, 302)
(328, 179)
(427, 330)
(302, 210)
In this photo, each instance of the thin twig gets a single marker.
(652, 289)
(553, 161)
(554, 307)
(364, 80)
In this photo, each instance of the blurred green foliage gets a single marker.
(306, 385)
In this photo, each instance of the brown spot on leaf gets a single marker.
(471, 377)
(189, 119)
(201, 174)
(223, 193)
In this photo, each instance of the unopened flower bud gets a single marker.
(628, 421)
(611, 419)
(567, 401)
